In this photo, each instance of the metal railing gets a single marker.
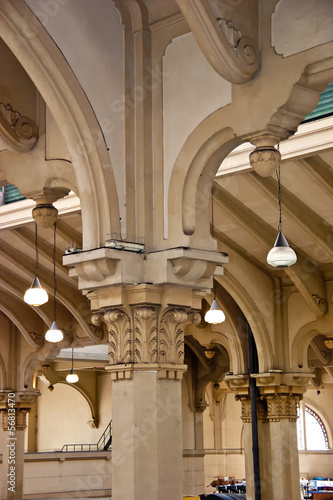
(103, 443)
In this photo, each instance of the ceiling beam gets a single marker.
(44, 249)
(242, 252)
(311, 223)
(304, 274)
(319, 171)
(68, 233)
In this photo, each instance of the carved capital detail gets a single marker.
(18, 416)
(282, 406)
(145, 335)
(17, 132)
(171, 342)
(246, 408)
(119, 332)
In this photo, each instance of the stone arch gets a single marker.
(300, 345)
(51, 74)
(92, 406)
(254, 318)
(3, 376)
(190, 188)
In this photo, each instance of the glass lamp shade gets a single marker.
(281, 254)
(54, 334)
(214, 315)
(72, 377)
(36, 295)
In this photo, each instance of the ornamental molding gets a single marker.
(17, 133)
(234, 56)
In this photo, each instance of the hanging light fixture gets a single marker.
(281, 255)
(72, 377)
(54, 334)
(214, 315)
(36, 295)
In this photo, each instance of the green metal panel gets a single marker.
(12, 194)
(324, 107)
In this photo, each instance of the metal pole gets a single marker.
(253, 368)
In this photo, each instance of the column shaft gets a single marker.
(147, 438)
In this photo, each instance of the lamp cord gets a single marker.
(54, 273)
(278, 175)
(36, 247)
(73, 358)
(213, 211)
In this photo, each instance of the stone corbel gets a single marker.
(105, 266)
(234, 56)
(187, 267)
(17, 133)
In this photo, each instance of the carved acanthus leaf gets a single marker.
(119, 332)
(145, 335)
(171, 343)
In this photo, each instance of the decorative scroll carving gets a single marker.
(20, 419)
(119, 332)
(19, 133)
(320, 301)
(234, 56)
(171, 344)
(246, 408)
(37, 339)
(145, 335)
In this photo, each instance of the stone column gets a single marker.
(279, 464)
(14, 409)
(277, 432)
(146, 352)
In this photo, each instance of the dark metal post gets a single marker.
(253, 368)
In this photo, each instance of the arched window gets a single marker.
(311, 430)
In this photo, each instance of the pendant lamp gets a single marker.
(36, 295)
(214, 315)
(281, 255)
(72, 377)
(54, 334)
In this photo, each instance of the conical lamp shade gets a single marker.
(72, 377)
(214, 315)
(281, 254)
(36, 295)
(54, 334)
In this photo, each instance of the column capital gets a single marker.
(145, 326)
